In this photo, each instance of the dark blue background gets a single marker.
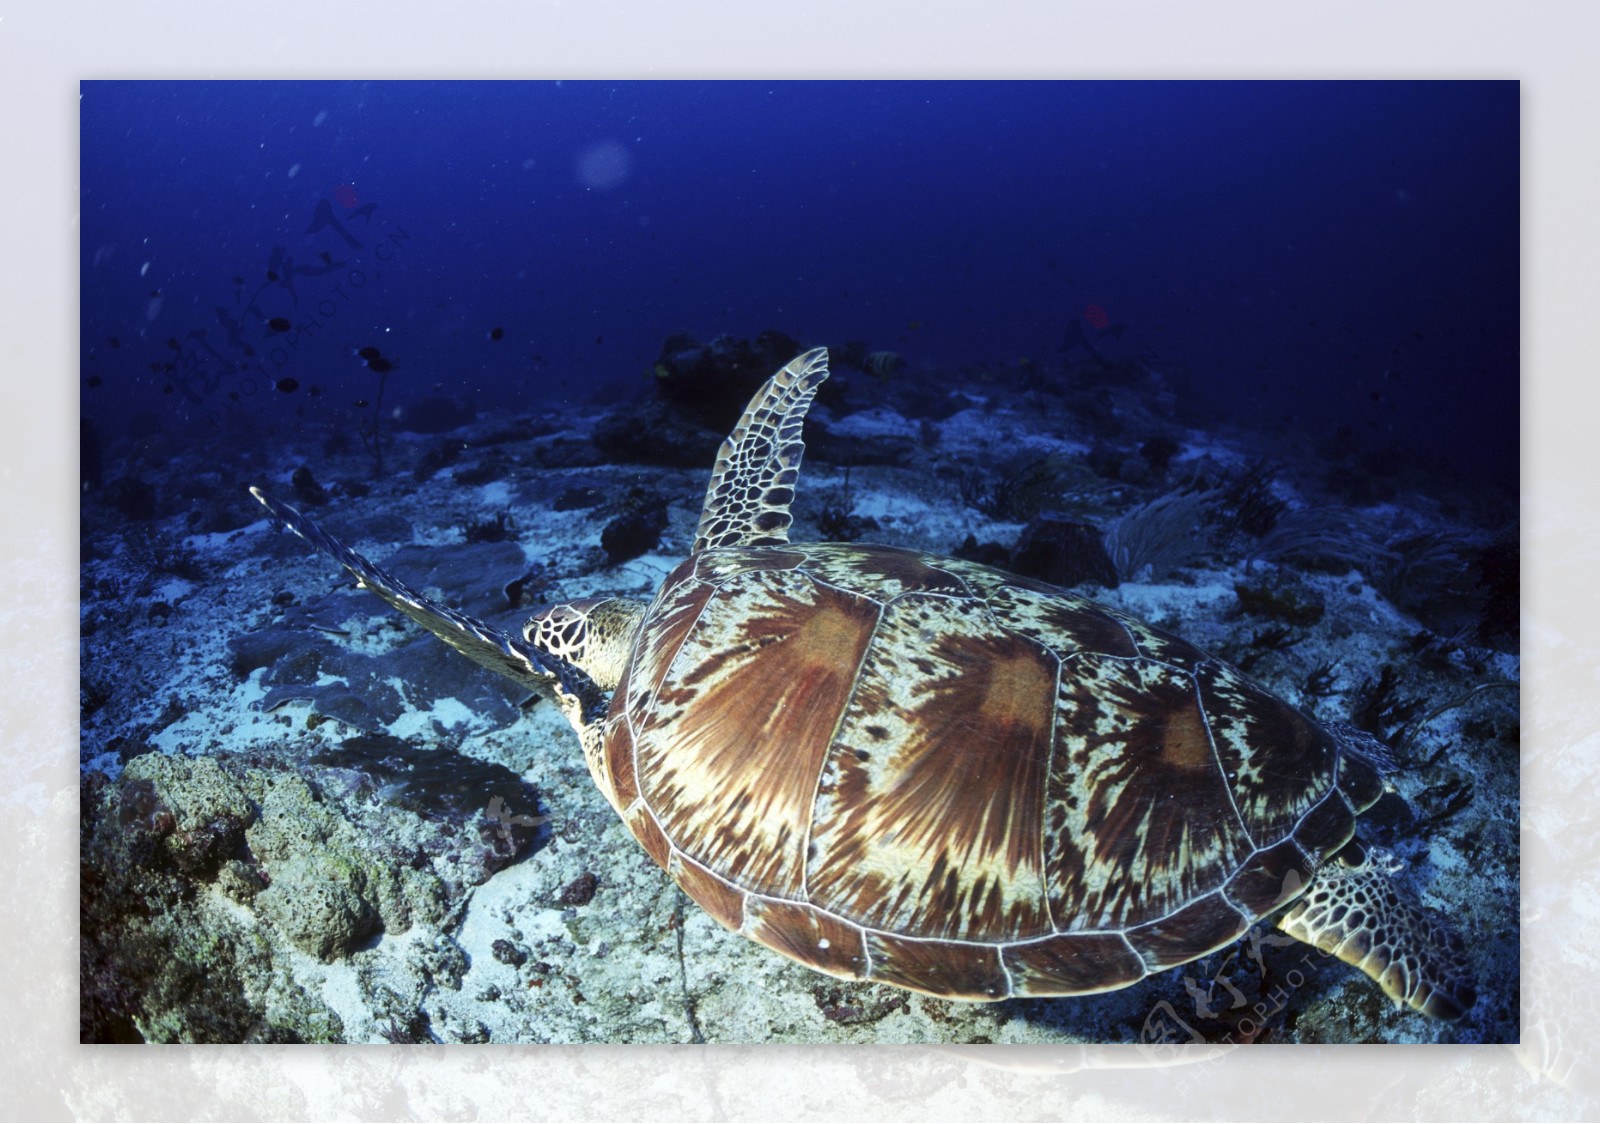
(1311, 253)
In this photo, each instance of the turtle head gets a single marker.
(594, 634)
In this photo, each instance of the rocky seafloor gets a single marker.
(304, 819)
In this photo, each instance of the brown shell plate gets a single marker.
(927, 772)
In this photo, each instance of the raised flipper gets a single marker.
(581, 701)
(1364, 917)
(752, 484)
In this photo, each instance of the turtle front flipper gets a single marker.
(482, 643)
(752, 484)
(1364, 917)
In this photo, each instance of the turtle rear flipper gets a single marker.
(752, 485)
(1364, 917)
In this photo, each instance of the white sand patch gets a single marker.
(876, 422)
(446, 713)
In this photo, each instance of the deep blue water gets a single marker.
(1311, 253)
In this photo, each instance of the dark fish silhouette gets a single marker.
(279, 324)
(497, 333)
(882, 364)
(288, 386)
(1075, 337)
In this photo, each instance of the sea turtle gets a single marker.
(893, 766)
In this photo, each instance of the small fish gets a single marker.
(369, 353)
(172, 342)
(497, 333)
(882, 364)
(327, 258)
(94, 381)
(288, 386)
(272, 275)
(1075, 337)
(380, 364)
(279, 324)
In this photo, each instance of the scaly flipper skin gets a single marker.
(1364, 917)
(752, 484)
(581, 701)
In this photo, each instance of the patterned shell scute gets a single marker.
(731, 728)
(928, 815)
(898, 767)
(1141, 818)
(1278, 762)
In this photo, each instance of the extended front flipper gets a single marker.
(582, 701)
(752, 484)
